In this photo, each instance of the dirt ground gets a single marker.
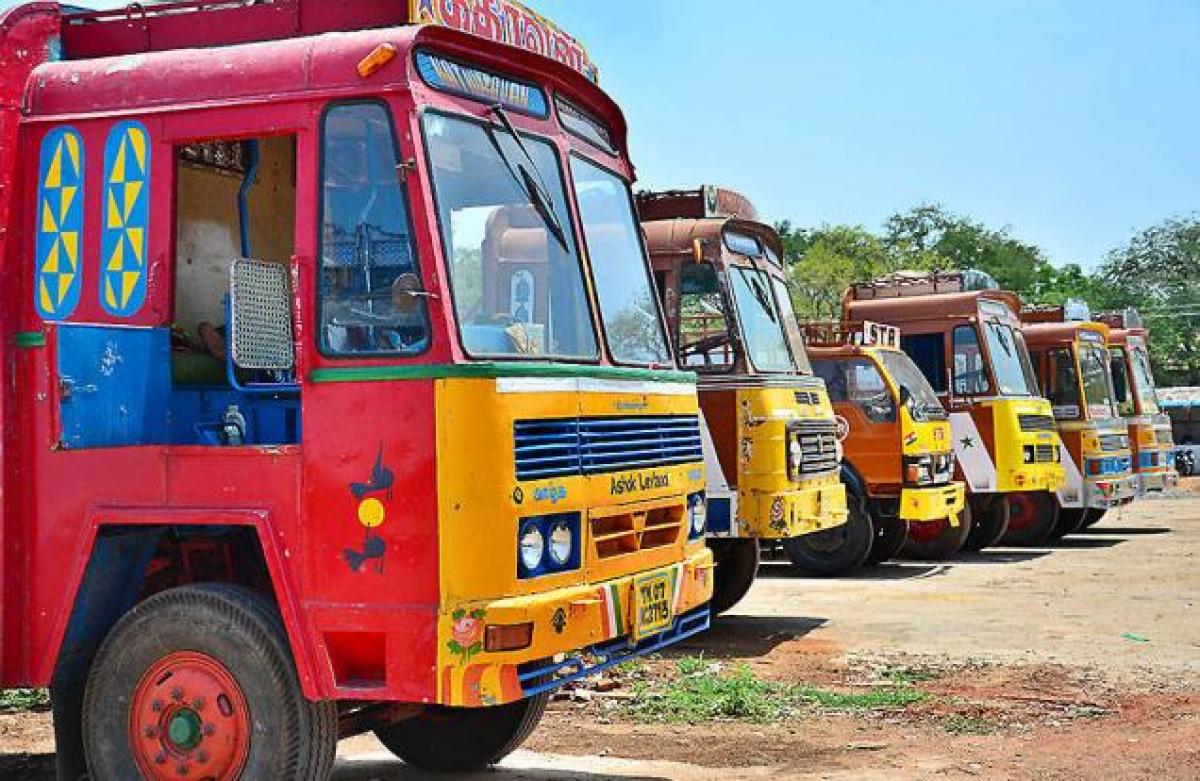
(1076, 661)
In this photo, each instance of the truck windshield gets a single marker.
(632, 324)
(1010, 360)
(791, 326)
(1143, 378)
(917, 393)
(1121, 380)
(1094, 374)
(762, 326)
(517, 286)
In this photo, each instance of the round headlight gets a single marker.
(794, 451)
(698, 512)
(533, 546)
(840, 451)
(561, 541)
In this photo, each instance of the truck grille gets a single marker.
(1036, 422)
(1114, 442)
(818, 446)
(588, 446)
(619, 531)
(1043, 453)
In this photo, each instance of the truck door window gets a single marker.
(518, 291)
(1122, 391)
(761, 323)
(370, 297)
(970, 371)
(632, 325)
(1093, 366)
(928, 352)
(704, 340)
(858, 382)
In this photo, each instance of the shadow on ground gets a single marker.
(1121, 530)
(385, 770)
(746, 637)
(27, 767)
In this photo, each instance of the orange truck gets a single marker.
(1150, 433)
(898, 466)
(965, 336)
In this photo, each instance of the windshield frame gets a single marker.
(589, 270)
(442, 237)
(1149, 390)
(1109, 400)
(741, 320)
(1023, 361)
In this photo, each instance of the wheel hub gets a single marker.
(189, 719)
(927, 530)
(1022, 511)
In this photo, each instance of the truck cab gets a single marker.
(1150, 434)
(771, 446)
(336, 396)
(899, 455)
(1072, 362)
(965, 336)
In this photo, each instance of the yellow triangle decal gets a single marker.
(117, 261)
(48, 224)
(73, 152)
(128, 281)
(47, 306)
(137, 139)
(109, 297)
(117, 174)
(64, 284)
(70, 243)
(66, 196)
(50, 266)
(136, 240)
(132, 191)
(114, 213)
(54, 175)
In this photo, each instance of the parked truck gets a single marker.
(1150, 434)
(965, 336)
(1071, 360)
(770, 435)
(899, 462)
(336, 397)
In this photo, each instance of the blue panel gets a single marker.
(125, 219)
(719, 515)
(59, 224)
(569, 446)
(458, 79)
(197, 413)
(116, 385)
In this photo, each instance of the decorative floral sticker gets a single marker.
(466, 634)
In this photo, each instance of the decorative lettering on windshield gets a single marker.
(456, 78)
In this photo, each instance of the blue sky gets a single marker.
(1073, 123)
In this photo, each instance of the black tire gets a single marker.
(461, 739)
(1093, 517)
(890, 536)
(289, 737)
(945, 541)
(1032, 517)
(837, 551)
(736, 567)
(1070, 520)
(988, 519)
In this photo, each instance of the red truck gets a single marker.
(336, 396)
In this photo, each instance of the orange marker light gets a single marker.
(508, 637)
(381, 55)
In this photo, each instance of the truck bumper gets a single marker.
(773, 516)
(1156, 481)
(590, 627)
(932, 504)
(1106, 492)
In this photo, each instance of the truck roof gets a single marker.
(707, 201)
(1048, 334)
(672, 239)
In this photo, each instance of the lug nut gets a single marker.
(156, 706)
(161, 758)
(201, 757)
(209, 730)
(182, 770)
(177, 693)
(198, 703)
(149, 732)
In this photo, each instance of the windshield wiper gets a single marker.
(529, 178)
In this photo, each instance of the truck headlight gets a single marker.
(562, 543)
(697, 515)
(918, 470)
(532, 546)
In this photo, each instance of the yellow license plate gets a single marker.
(652, 599)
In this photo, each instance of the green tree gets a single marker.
(822, 262)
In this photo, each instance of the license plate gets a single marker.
(651, 604)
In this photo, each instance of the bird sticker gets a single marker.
(371, 514)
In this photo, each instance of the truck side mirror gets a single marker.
(260, 315)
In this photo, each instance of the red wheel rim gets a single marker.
(926, 530)
(189, 719)
(1022, 511)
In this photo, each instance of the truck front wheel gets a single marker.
(988, 520)
(836, 551)
(736, 563)
(890, 536)
(1032, 516)
(198, 682)
(450, 739)
(937, 540)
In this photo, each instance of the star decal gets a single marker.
(967, 442)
